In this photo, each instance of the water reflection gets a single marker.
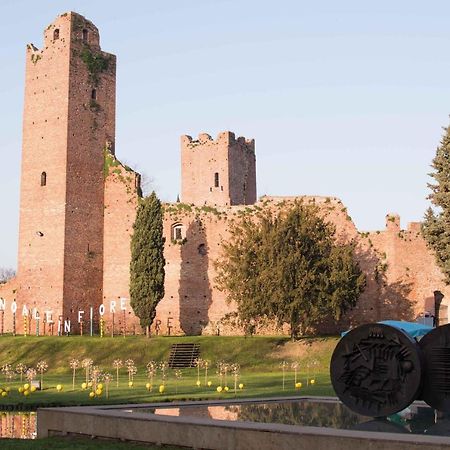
(18, 425)
(417, 419)
(382, 425)
(305, 413)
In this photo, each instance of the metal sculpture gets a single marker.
(435, 347)
(376, 370)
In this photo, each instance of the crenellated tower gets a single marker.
(218, 172)
(68, 122)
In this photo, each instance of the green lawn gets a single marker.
(259, 358)
(255, 385)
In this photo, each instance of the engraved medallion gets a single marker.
(376, 370)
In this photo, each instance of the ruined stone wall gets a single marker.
(192, 303)
(233, 160)
(407, 270)
(401, 273)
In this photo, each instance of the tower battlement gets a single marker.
(68, 28)
(227, 137)
(219, 171)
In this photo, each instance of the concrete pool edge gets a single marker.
(114, 422)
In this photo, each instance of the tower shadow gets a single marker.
(195, 293)
(383, 298)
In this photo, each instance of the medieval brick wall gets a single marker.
(401, 272)
(218, 172)
(121, 199)
(78, 206)
(192, 303)
(407, 271)
(69, 116)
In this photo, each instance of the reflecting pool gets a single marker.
(18, 425)
(417, 418)
(320, 412)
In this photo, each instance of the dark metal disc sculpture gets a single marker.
(436, 377)
(376, 370)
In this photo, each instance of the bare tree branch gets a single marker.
(6, 273)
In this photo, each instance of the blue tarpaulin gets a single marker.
(414, 329)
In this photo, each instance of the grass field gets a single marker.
(259, 359)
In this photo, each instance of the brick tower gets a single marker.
(218, 172)
(69, 119)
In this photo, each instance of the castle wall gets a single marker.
(192, 304)
(78, 206)
(121, 200)
(408, 270)
(401, 273)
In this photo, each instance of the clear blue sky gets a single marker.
(343, 98)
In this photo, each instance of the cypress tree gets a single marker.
(436, 226)
(147, 260)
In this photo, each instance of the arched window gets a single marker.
(43, 179)
(216, 179)
(94, 94)
(56, 34)
(177, 232)
(85, 35)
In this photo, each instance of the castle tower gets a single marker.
(69, 118)
(218, 172)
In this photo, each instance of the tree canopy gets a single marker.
(147, 260)
(436, 226)
(287, 267)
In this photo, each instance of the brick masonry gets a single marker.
(218, 172)
(74, 237)
(69, 118)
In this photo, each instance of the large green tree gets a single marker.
(285, 266)
(436, 227)
(147, 260)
